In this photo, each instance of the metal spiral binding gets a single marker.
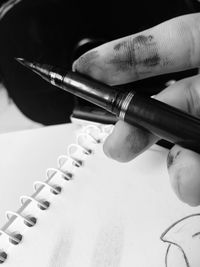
(14, 238)
(94, 134)
(42, 204)
(55, 189)
(3, 256)
(28, 220)
(50, 172)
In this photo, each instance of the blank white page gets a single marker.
(110, 215)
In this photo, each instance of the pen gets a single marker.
(161, 119)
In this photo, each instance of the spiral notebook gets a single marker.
(91, 211)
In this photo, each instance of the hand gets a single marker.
(168, 47)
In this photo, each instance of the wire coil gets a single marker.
(67, 164)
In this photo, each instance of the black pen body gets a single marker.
(162, 120)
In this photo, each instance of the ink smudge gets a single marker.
(90, 65)
(171, 158)
(61, 251)
(109, 246)
(139, 53)
(138, 140)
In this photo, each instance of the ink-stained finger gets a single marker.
(184, 171)
(168, 47)
(126, 142)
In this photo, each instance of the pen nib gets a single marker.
(40, 69)
(20, 60)
(25, 63)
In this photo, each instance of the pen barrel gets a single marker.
(163, 120)
(93, 91)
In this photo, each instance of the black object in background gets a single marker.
(49, 30)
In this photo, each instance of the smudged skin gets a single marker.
(139, 53)
(138, 56)
(171, 158)
(86, 62)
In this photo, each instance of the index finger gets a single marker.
(171, 46)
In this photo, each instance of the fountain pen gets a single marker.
(158, 118)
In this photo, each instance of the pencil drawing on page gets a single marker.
(183, 238)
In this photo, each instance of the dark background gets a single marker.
(48, 31)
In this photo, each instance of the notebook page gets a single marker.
(24, 157)
(112, 214)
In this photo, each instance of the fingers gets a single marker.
(184, 171)
(126, 141)
(167, 47)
